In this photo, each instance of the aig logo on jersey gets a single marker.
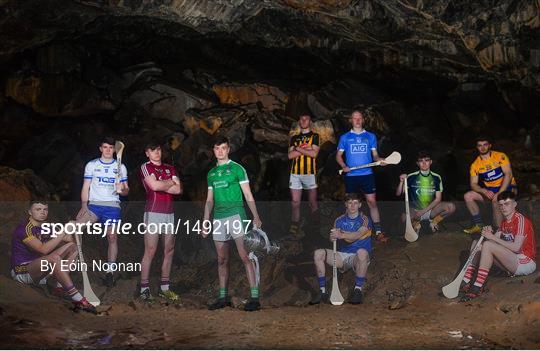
(359, 148)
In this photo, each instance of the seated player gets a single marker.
(512, 248)
(425, 194)
(353, 232)
(29, 248)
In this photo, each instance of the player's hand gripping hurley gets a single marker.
(335, 298)
(452, 290)
(393, 159)
(410, 233)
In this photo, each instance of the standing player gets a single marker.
(30, 247)
(512, 247)
(360, 148)
(161, 183)
(495, 171)
(353, 232)
(227, 181)
(100, 197)
(425, 193)
(303, 151)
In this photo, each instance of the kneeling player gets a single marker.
(353, 232)
(512, 248)
(30, 249)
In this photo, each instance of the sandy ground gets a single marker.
(403, 309)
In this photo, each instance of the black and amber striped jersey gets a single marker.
(304, 164)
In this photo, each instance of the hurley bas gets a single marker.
(97, 266)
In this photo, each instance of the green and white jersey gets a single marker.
(422, 188)
(224, 180)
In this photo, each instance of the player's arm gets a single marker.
(341, 162)
(123, 188)
(85, 194)
(246, 189)
(44, 248)
(514, 246)
(208, 206)
(507, 170)
(176, 189)
(293, 153)
(474, 185)
(158, 185)
(401, 184)
(351, 237)
(311, 151)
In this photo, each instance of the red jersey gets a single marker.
(516, 226)
(157, 201)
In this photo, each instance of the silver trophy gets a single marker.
(256, 240)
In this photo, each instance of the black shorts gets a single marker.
(365, 183)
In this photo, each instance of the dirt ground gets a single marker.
(403, 308)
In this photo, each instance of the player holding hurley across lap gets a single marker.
(512, 248)
(360, 147)
(160, 182)
(353, 233)
(227, 183)
(100, 197)
(30, 249)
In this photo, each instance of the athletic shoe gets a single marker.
(84, 305)
(475, 229)
(109, 280)
(357, 297)
(464, 287)
(320, 297)
(169, 295)
(381, 237)
(221, 302)
(473, 293)
(252, 305)
(146, 296)
(425, 228)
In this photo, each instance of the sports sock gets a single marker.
(377, 226)
(469, 273)
(359, 282)
(477, 220)
(164, 285)
(255, 292)
(72, 292)
(322, 284)
(222, 293)
(437, 219)
(481, 277)
(145, 285)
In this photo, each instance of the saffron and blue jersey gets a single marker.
(357, 148)
(348, 224)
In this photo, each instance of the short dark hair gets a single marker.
(422, 154)
(482, 138)
(107, 140)
(218, 140)
(507, 194)
(37, 201)
(354, 196)
(359, 110)
(152, 145)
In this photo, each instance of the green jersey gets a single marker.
(422, 188)
(224, 180)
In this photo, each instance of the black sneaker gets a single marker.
(221, 302)
(252, 305)
(425, 228)
(319, 297)
(473, 293)
(357, 297)
(109, 280)
(146, 296)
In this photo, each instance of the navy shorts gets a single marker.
(104, 213)
(364, 183)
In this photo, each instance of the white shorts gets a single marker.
(302, 181)
(348, 261)
(525, 265)
(228, 228)
(159, 223)
(24, 278)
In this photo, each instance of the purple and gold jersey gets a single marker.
(20, 252)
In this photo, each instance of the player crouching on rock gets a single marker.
(353, 233)
(34, 255)
(512, 248)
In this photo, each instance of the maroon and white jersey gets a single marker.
(158, 201)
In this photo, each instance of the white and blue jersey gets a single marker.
(348, 224)
(357, 148)
(103, 178)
